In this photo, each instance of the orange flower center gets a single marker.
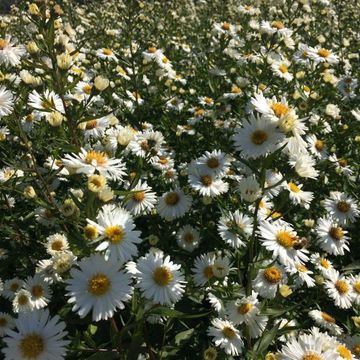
(206, 180)
(229, 332)
(258, 137)
(279, 109)
(3, 44)
(277, 25)
(245, 308)
(272, 275)
(327, 317)
(344, 352)
(342, 287)
(311, 356)
(162, 276)
(115, 234)
(319, 145)
(99, 157)
(293, 187)
(99, 284)
(139, 196)
(285, 239)
(91, 124)
(324, 53)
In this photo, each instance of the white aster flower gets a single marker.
(98, 285)
(339, 289)
(226, 336)
(39, 337)
(6, 101)
(159, 279)
(141, 199)
(188, 238)
(117, 235)
(325, 321)
(173, 204)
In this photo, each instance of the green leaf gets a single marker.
(183, 335)
(263, 343)
(104, 356)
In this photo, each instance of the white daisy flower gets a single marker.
(275, 27)
(22, 301)
(6, 99)
(341, 165)
(234, 227)
(48, 102)
(147, 143)
(224, 28)
(94, 128)
(281, 69)
(9, 53)
(304, 165)
(106, 54)
(29, 121)
(55, 243)
(246, 310)
(6, 322)
(216, 303)
(332, 237)
(316, 147)
(339, 289)
(119, 136)
(11, 286)
(39, 337)
(206, 182)
(98, 285)
(188, 238)
(258, 137)
(268, 280)
(298, 196)
(141, 200)
(355, 283)
(301, 56)
(321, 263)
(203, 269)
(307, 347)
(342, 207)
(325, 321)
(279, 237)
(159, 279)
(249, 189)
(320, 54)
(221, 266)
(89, 161)
(173, 204)
(273, 183)
(353, 343)
(226, 336)
(39, 290)
(302, 275)
(117, 235)
(215, 161)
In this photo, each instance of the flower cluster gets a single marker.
(180, 180)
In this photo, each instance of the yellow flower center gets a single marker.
(99, 157)
(344, 352)
(90, 232)
(57, 245)
(208, 100)
(336, 233)
(87, 89)
(272, 275)
(229, 332)
(342, 287)
(343, 206)
(172, 198)
(163, 161)
(279, 109)
(165, 60)
(3, 44)
(293, 187)
(206, 180)
(311, 356)
(356, 287)
(245, 308)
(258, 137)
(306, 88)
(91, 124)
(342, 162)
(99, 284)
(37, 291)
(208, 272)
(301, 268)
(31, 346)
(139, 196)
(285, 239)
(212, 163)
(152, 50)
(14, 287)
(235, 89)
(283, 68)
(115, 233)
(324, 53)
(107, 51)
(188, 238)
(23, 300)
(225, 26)
(324, 263)
(29, 118)
(199, 112)
(277, 25)
(319, 145)
(327, 317)
(162, 276)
